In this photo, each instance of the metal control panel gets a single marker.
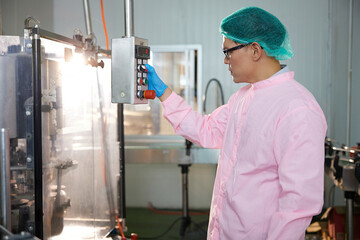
(129, 80)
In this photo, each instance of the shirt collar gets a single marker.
(284, 68)
(280, 76)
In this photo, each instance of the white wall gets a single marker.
(320, 60)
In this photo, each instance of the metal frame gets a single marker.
(187, 49)
(36, 51)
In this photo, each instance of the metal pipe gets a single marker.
(87, 17)
(5, 208)
(121, 183)
(329, 63)
(5, 231)
(0, 20)
(349, 196)
(129, 18)
(349, 79)
(185, 193)
(36, 52)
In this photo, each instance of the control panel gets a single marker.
(129, 80)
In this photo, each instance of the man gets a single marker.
(269, 181)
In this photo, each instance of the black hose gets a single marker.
(206, 89)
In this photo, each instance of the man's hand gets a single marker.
(155, 83)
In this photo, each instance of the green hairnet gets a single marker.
(253, 24)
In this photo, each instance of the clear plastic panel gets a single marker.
(80, 150)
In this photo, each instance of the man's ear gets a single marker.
(256, 51)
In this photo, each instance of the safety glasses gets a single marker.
(228, 51)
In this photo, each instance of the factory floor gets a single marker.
(150, 223)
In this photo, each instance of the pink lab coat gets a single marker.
(269, 180)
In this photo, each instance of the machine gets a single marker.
(59, 131)
(342, 164)
(62, 137)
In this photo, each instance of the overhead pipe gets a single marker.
(0, 20)
(129, 18)
(329, 63)
(88, 26)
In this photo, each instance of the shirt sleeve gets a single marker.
(206, 131)
(299, 152)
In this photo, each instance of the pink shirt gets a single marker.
(269, 180)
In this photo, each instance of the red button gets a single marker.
(149, 94)
(140, 81)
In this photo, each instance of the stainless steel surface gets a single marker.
(166, 149)
(5, 206)
(8, 94)
(87, 17)
(124, 72)
(129, 17)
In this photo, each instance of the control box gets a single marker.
(129, 80)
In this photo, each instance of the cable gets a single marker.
(104, 24)
(199, 227)
(119, 226)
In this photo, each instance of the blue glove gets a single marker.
(155, 82)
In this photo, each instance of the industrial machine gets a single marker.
(59, 131)
(46, 120)
(62, 137)
(342, 164)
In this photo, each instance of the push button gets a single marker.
(141, 68)
(149, 94)
(140, 81)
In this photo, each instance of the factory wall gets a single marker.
(319, 33)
